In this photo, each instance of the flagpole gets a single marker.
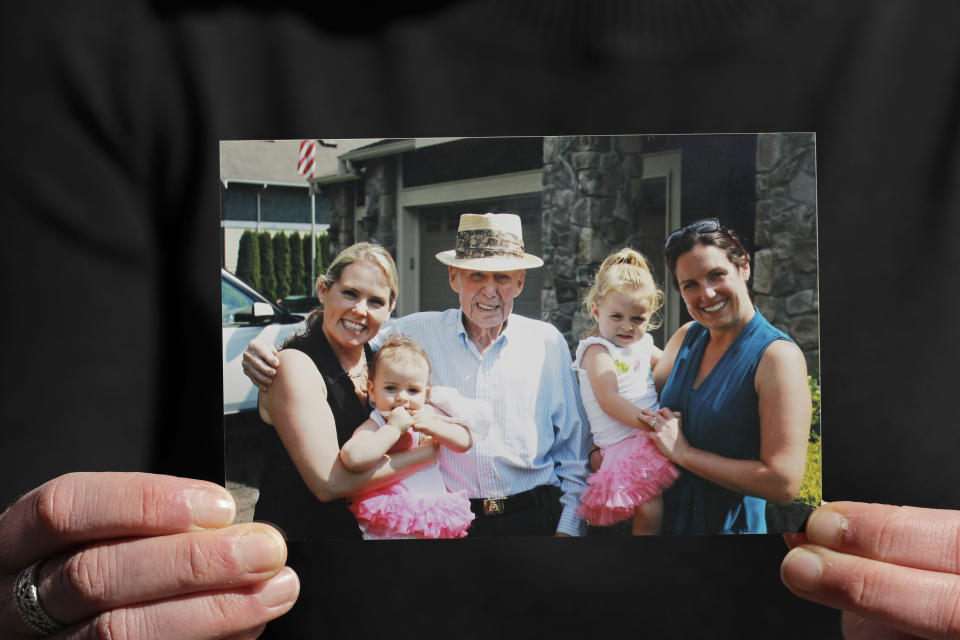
(306, 167)
(313, 232)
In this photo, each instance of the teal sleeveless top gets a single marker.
(721, 416)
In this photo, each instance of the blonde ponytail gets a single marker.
(628, 272)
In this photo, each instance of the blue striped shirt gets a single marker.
(539, 434)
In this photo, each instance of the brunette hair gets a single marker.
(625, 271)
(723, 238)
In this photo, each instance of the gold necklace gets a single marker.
(358, 375)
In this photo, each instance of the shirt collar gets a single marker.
(462, 329)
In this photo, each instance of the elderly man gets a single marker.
(525, 475)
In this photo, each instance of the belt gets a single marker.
(517, 503)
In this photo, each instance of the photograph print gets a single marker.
(454, 338)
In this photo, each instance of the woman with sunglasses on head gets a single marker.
(735, 405)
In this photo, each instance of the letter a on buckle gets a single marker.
(493, 506)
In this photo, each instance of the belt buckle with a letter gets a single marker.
(493, 506)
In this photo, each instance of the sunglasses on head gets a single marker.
(707, 225)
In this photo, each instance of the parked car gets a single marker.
(300, 304)
(247, 314)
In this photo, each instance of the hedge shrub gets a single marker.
(323, 252)
(268, 279)
(248, 259)
(297, 273)
(281, 264)
(309, 278)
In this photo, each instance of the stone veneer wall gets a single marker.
(591, 189)
(341, 215)
(785, 260)
(381, 200)
(380, 186)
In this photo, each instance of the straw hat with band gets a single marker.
(489, 242)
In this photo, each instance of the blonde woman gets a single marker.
(319, 397)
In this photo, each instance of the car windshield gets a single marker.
(232, 302)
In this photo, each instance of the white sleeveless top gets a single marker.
(426, 481)
(634, 382)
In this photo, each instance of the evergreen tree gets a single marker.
(323, 252)
(309, 278)
(248, 259)
(268, 280)
(297, 274)
(281, 264)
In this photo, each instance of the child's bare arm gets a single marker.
(602, 373)
(370, 441)
(450, 433)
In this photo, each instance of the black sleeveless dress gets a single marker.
(285, 500)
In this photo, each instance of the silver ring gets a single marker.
(654, 422)
(28, 603)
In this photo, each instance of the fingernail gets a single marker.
(281, 589)
(801, 569)
(826, 527)
(211, 508)
(259, 550)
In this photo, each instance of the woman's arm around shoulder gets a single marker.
(260, 360)
(302, 374)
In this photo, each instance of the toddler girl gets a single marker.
(614, 364)
(419, 506)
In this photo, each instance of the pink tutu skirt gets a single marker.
(633, 471)
(397, 512)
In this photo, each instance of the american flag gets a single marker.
(308, 154)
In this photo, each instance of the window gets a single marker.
(232, 302)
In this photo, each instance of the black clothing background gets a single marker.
(284, 498)
(109, 125)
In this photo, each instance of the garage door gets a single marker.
(438, 229)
